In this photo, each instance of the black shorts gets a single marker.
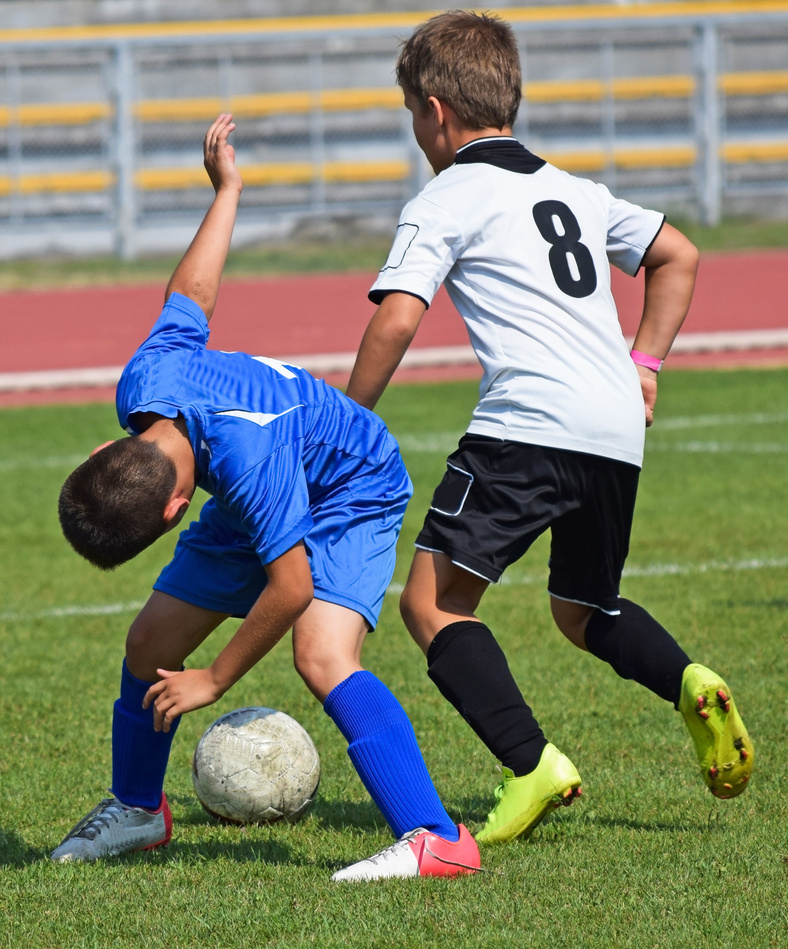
(498, 496)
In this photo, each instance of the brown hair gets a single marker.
(469, 61)
(112, 507)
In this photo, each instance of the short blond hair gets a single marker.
(470, 62)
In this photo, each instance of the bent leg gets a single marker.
(165, 632)
(382, 745)
(465, 661)
(632, 642)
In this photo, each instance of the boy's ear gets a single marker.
(99, 448)
(437, 109)
(174, 511)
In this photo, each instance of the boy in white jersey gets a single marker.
(556, 440)
(307, 492)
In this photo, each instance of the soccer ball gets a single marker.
(256, 766)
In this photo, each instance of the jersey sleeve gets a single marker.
(181, 325)
(631, 231)
(426, 245)
(152, 378)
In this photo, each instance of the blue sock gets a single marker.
(139, 754)
(386, 755)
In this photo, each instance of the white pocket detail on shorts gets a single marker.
(450, 495)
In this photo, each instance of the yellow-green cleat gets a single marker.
(725, 752)
(524, 801)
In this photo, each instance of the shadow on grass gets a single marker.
(14, 852)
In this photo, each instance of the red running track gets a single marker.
(309, 315)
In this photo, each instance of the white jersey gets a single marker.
(524, 250)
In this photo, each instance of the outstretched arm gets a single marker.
(287, 594)
(671, 264)
(385, 342)
(199, 273)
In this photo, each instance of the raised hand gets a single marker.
(219, 155)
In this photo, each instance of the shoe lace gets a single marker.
(396, 848)
(106, 812)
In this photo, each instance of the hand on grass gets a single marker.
(219, 155)
(180, 692)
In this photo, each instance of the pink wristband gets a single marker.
(650, 362)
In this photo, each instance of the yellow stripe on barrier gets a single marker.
(170, 179)
(743, 153)
(68, 181)
(178, 110)
(276, 173)
(354, 172)
(754, 83)
(351, 172)
(203, 109)
(55, 113)
(678, 9)
(271, 103)
(677, 157)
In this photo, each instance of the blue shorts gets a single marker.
(351, 549)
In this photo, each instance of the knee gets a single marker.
(408, 608)
(572, 619)
(320, 673)
(141, 657)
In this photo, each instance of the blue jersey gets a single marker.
(271, 442)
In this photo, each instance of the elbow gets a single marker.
(691, 258)
(204, 298)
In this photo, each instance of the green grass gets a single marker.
(367, 254)
(646, 858)
(363, 254)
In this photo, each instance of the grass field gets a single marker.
(646, 858)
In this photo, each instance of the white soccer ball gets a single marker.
(256, 766)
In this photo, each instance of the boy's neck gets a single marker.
(458, 136)
(477, 135)
(172, 438)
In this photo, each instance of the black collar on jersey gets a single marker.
(506, 153)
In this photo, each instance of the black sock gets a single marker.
(470, 670)
(638, 648)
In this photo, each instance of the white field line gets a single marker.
(318, 365)
(431, 356)
(447, 441)
(731, 448)
(634, 571)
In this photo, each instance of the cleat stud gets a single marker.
(722, 696)
(728, 787)
(701, 701)
(703, 713)
(744, 754)
(713, 772)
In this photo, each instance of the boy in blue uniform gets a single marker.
(307, 496)
(556, 439)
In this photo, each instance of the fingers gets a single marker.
(218, 132)
(164, 703)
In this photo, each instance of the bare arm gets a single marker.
(287, 594)
(199, 273)
(385, 342)
(671, 264)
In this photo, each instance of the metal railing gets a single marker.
(679, 106)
